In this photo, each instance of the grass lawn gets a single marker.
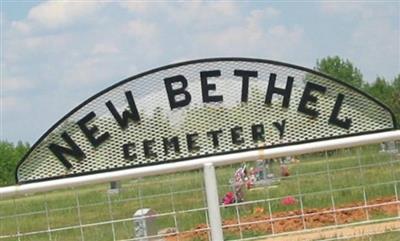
(388, 236)
(323, 180)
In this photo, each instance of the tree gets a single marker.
(387, 92)
(9, 157)
(396, 98)
(341, 69)
(380, 89)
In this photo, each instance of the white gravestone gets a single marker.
(144, 224)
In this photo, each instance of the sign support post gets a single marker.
(214, 213)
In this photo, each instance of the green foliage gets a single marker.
(381, 89)
(395, 104)
(340, 69)
(385, 91)
(388, 93)
(10, 154)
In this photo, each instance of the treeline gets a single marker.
(387, 91)
(10, 154)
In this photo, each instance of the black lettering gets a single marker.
(286, 92)
(127, 151)
(74, 150)
(90, 132)
(214, 135)
(258, 132)
(206, 87)
(172, 142)
(191, 142)
(308, 97)
(236, 133)
(280, 127)
(148, 148)
(334, 120)
(133, 114)
(245, 74)
(172, 93)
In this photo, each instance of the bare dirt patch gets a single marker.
(294, 220)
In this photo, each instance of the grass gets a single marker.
(388, 236)
(349, 173)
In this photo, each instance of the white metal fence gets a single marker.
(337, 184)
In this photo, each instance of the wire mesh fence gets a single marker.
(326, 189)
(307, 193)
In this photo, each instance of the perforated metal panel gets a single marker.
(158, 121)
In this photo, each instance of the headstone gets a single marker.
(391, 147)
(397, 143)
(115, 187)
(261, 167)
(144, 224)
(383, 147)
(265, 176)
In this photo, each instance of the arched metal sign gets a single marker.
(201, 108)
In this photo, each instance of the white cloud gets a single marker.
(104, 48)
(272, 12)
(56, 14)
(16, 84)
(21, 26)
(140, 7)
(360, 10)
(254, 38)
(375, 37)
(70, 50)
(335, 7)
(18, 49)
(228, 8)
(96, 72)
(383, 44)
(11, 104)
(182, 10)
(264, 14)
(143, 30)
(202, 14)
(85, 71)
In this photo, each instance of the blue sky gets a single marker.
(57, 54)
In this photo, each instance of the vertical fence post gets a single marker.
(214, 213)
